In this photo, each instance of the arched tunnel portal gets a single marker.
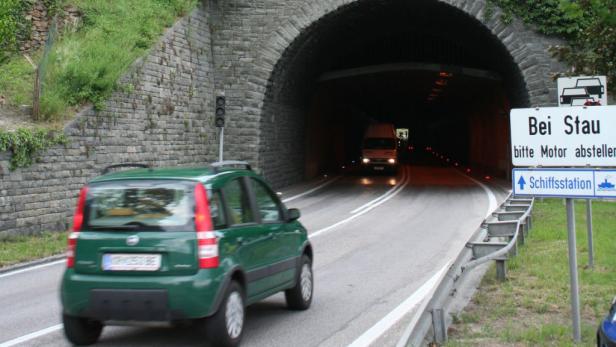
(424, 65)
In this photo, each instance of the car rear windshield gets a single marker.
(379, 143)
(140, 205)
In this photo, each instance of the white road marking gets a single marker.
(36, 267)
(31, 336)
(491, 207)
(326, 229)
(397, 313)
(382, 196)
(491, 197)
(322, 185)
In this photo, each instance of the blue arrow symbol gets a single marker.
(521, 182)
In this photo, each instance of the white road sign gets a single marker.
(582, 91)
(564, 136)
(566, 183)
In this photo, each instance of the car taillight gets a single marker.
(70, 252)
(207, 243)
(77, 224)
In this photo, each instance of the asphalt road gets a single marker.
(377, 241)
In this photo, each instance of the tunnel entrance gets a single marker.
(422, 65)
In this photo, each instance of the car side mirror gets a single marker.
(293, 214)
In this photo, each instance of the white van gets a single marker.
(379, 148)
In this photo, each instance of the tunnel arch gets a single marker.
(322, 36)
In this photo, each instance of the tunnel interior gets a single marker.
(422, 65)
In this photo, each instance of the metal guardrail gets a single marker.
(431, 326)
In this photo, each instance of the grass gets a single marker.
(16, 81)
(83, 66)
(20, 249)
(532, 308)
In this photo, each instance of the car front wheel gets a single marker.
(81, 331)
(300, 296)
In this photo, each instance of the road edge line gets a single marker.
(45, 262)
(31, 336)
(394, 316)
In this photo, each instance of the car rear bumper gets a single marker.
(151, 298)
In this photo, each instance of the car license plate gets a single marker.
(379, 168)
(131, 262)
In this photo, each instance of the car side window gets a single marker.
(238, 203)
(269, 209)
(216, 211)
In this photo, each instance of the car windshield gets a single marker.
(142, 205)
(379, 143)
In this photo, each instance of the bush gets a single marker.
(588, 26)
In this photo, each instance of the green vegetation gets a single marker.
(19, 249)
(533, 307)
(589, 27)
(13, 26)
(83, 66)
(24, 144)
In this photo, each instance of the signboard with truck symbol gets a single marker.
(582, 91)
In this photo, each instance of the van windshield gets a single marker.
(140, 205)
(379, 143)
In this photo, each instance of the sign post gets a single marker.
(591, 251)
(573, 274)
(588, 91)
(566, 137)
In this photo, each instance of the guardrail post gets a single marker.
(522, 236)
(438, 325)
(501, 270)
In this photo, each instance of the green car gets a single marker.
(178, 244)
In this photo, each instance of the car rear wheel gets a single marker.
(226, 326)
(300, 296)
(81, 331)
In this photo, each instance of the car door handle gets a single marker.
(240, 241)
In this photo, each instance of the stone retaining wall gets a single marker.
(164, 120)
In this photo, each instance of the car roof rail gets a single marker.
(107, 169)
(221, 164)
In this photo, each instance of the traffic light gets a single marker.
(220, 112)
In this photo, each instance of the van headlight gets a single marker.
(365, 160)
(391, 160)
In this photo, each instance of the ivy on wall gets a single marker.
(14, 27)
(589, 26)
(25, 144)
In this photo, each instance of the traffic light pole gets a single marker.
(221, 144)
